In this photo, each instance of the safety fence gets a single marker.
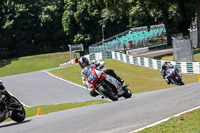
(193, 37)
(184, 67)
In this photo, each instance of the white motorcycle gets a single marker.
(105, 84)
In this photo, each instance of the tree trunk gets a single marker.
(167, 26)
(181, 8)
(198, 22)
(185, 22)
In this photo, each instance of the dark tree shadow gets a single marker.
(196, 51)
(4, 62)
(15, 123)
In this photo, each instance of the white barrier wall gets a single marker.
(184, 67)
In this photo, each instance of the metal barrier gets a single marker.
(193, 37)
(182, 50)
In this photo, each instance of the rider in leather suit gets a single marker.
(165, 66)
(83, 62)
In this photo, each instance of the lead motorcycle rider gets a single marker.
(5, 92)
(83, 62)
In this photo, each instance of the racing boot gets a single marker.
(122, 83)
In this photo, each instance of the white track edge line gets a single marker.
(18, 99)
(65, 80)
(166, 119)
(68, 81)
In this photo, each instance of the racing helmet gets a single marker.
(83, 60)
(164, 65)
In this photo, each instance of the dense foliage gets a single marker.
(31, 27)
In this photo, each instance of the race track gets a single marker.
(39, 88)
(122, 116)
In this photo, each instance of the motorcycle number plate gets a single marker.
(92, 78)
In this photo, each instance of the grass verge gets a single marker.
(140, 79)
(32, 63)
(45, 109)
(185, 123)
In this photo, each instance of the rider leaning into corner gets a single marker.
(83, 62)
(5, 92)
(164, 68)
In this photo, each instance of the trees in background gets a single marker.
(82, 22)
(198, 22)
(32, 27)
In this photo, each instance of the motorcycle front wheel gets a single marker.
(107, 91)
(180, 82)
(127, 93)
(19, 113)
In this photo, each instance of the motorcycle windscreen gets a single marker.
(87, 71)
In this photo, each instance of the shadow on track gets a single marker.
(12, 124)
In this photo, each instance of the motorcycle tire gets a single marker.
(127, 93)
(180, 82)
(18, 115)
(107, 91)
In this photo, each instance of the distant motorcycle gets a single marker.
(17, 114)
(105, 84)
(173, 74)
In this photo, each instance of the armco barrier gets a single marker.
(184, 67)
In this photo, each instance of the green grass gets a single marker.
(45, 109)
(135, 76)
(186, 123)
(32, 63)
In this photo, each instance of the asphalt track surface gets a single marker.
(152, 54)
(40, 88)
(122, 116)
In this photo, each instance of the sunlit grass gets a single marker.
(186, 123)
(139, 79)
(32, 63)
(45, 109)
